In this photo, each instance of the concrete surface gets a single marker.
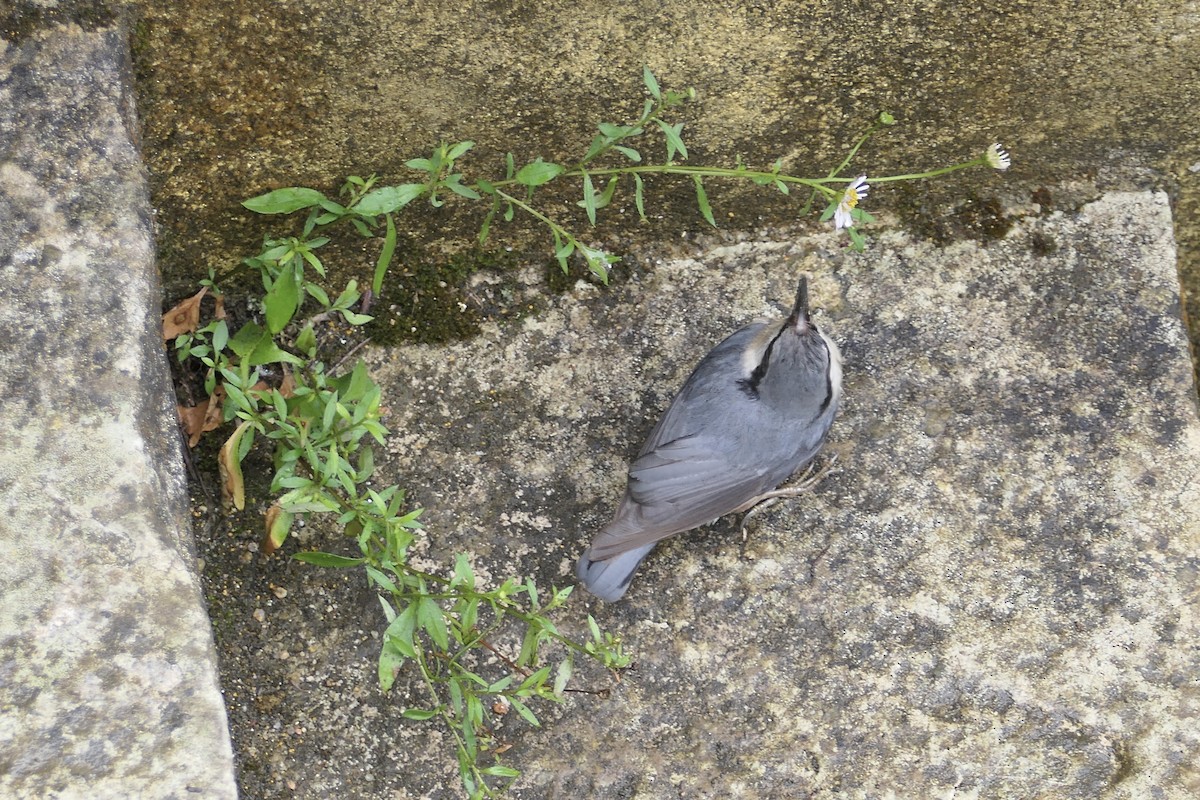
(992, 596)
(108, 682)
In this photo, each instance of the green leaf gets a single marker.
(857, 242)
(674, 141)
(463, 576)
(607, 195)
(354, 386)
(385, 256)
(501, 685)
(589, 198)
(453, 183)
(390, 662)
(254, 344)
(616, 132)
(638, 196)
(313, 262)
(596, 147)
(381, 580)
(282, 300)
(220, 335)
(279, 525)
(246, 339)
(400, 632)
(536, 679)
(284, 201)
(830, 209)
(418, 714)
(651, 83)
(524, 711)
(457, 150)
(389, 199)
(267, 352)
(563, 250)
(429, 614)
(306, 342)
(469, 615)
(629, 152)
(327, 559)
(501, 771)
(366, 466)
(317, 293)
(702, 201)
(486, 227)
(389, 613)
(529, 646)
(330, 409)
(335, 209)
(277, 252)
(563, 677)
(538, 172)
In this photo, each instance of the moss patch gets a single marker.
(431, 299)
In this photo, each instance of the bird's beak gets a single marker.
(799, 319)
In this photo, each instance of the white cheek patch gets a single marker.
(753, 354)
(835, 367)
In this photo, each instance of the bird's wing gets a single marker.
(687, 470)
(675, 487)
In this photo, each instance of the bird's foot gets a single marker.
(804, 484)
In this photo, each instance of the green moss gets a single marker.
(924, 211)
(430, 300)
(22, 20)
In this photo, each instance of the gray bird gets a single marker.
(755, 409)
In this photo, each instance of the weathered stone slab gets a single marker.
(993, 595)
(107, 676)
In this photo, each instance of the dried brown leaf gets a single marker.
(184, 317)
(278, 525)
(233, 489)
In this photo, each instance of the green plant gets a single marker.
(321, 428)
(269, 379)
(516, 190)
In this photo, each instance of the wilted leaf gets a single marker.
(279, 524)
(183, 318)
(287, 387)
(233, 489)
(200, 419)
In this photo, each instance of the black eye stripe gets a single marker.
(750, 385)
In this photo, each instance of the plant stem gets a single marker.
(981, 161)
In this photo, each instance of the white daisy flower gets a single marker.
(997, 157)
(856, 191)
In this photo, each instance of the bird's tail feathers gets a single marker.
(608, 579)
